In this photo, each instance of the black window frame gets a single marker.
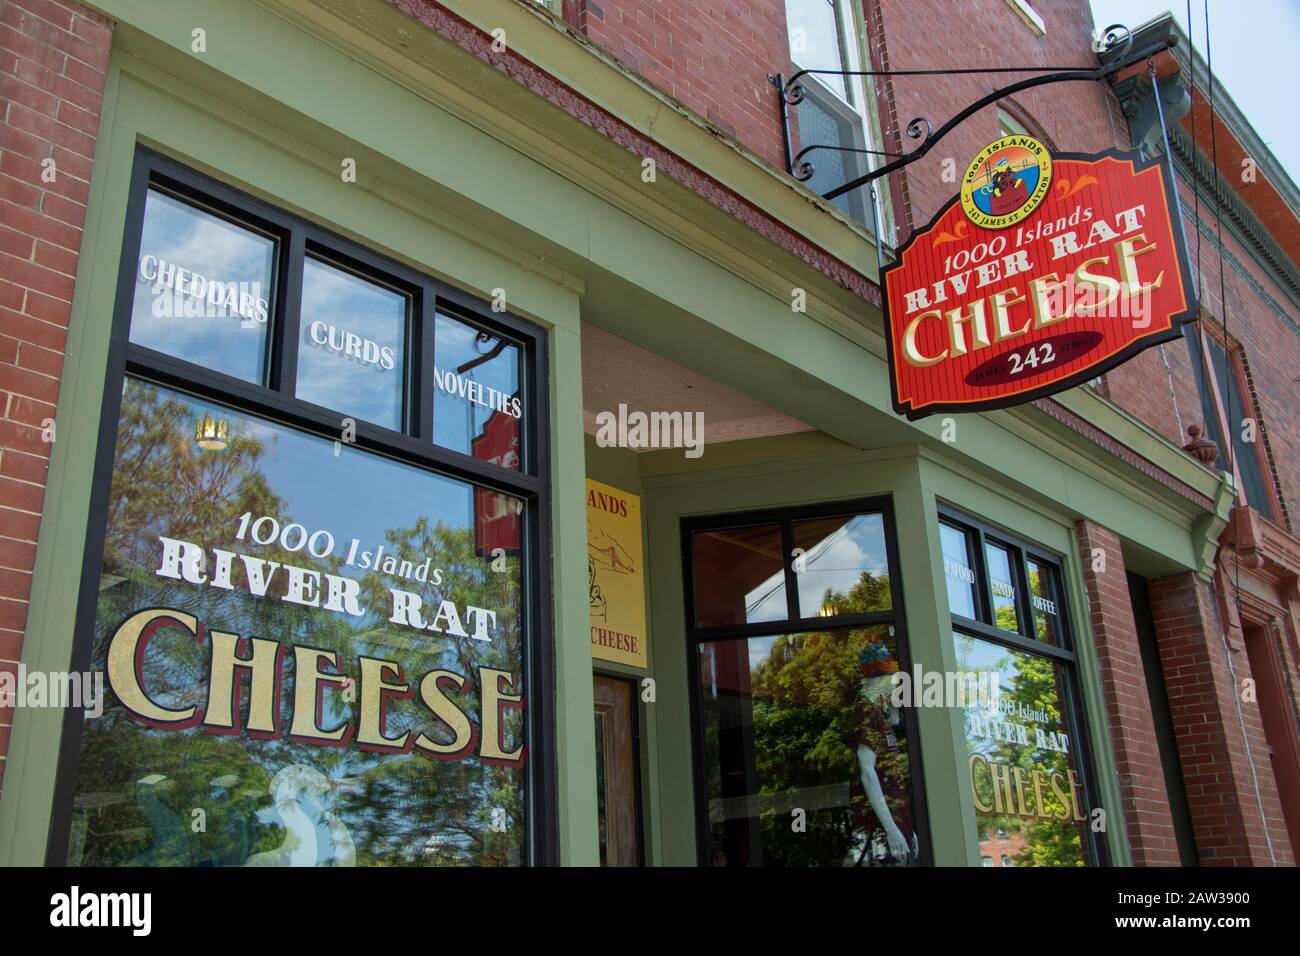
(275, 400)
(354, 261)
(895, 617)
(1230, 392)
(979, 534)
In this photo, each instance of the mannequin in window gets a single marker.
(879, 751)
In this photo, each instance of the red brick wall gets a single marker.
(1137, 754)
(1203, 678)
(53, 59)
(1163, 397)
(1078, 117)
(713, 56)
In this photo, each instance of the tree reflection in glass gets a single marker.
(150, 796)
(1025, 785)
(805, 757)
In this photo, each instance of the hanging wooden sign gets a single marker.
(1045, 271)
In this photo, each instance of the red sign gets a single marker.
(497, 520)
(1044, 272)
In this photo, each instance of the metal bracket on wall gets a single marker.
(1116, 39)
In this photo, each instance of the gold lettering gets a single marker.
(910, 350)
(1040, 291)
(1002, 301)
(979, 329)
(1106, 286)
(1002, 797)
(1019, 774)
(308, 678)
(263, 665)
(375, 688)
(1075, 787)
(974, 786)
(1128, 253)
(1042, 813)
(494, 701)
(1063, 798)
(124, 650)
(436, 700)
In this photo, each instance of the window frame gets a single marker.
(1235, 357)
(1096, 849)
(843, 113)
(275, 400)
(854, 105)
(344, 257)
(895, 617)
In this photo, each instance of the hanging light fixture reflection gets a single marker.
(211, 433)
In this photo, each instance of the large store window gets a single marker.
(319, 621)
(1026, 750)
(796, 634)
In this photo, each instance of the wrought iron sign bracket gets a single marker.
(1116, 39)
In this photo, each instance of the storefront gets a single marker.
(332, 434)
(238, 538)
(779, 720)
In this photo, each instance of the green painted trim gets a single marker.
(620, 467)
(917, 479)
(575, 705)
(143, 104)
(651, 260)
(643, 263)
(596, 74)
(25, 806)
(621, 249)
(1105, 771)
(1206, 531)
(1059, 480)
(929, 629)
(1128, 430)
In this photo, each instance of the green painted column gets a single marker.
(575, 734)
(929, 634)
(32, 761)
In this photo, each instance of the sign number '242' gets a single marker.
(1045, 271)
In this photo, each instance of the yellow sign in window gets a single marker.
(616, 575)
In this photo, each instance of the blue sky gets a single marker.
(1254, 45)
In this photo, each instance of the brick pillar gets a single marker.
(1137, 754)
(1204, 676)
(53, 62)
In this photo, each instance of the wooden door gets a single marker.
(617, 800)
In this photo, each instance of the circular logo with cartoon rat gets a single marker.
(1006, 181)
